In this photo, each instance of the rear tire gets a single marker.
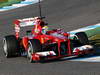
(10, 45)
(34, 46)
(82, 38)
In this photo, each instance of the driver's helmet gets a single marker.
(44, 29)
(39, 21)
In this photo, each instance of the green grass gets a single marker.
(93, 32)
(9, 2)
(2, 1)
(95, 39)
(94, 36)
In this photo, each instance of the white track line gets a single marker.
(86, 28)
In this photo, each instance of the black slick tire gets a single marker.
(82, 38)
(10, 45)
(34, 46)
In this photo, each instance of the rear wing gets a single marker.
(23, 23)
(27, 22)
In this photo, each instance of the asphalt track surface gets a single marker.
(67, 14)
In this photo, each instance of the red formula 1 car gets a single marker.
(42, 44)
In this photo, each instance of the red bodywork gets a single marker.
(46, 39)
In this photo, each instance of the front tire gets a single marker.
(82, 38)
(34, 46)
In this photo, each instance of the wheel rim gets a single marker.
(29, 55)
(75, 37)
(5, 47)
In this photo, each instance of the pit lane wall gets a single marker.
(8, 2)
(91, 30)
